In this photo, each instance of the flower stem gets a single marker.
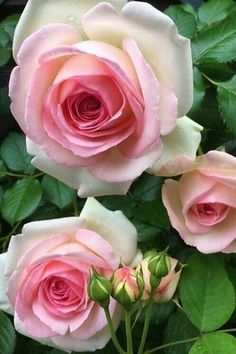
(171, 344)
(146, 323)
(128, 332)
(112, 331)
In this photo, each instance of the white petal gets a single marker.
(33, 233)
(39, 13)
(179, 149)
(114, 227)
(4, 302)
(75, 177)
(168, 53)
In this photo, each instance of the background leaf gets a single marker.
(215, 343)
(183, 19)
(21, 200)
(214, 11)
(227, 102)
(7, 335)
(206, 293)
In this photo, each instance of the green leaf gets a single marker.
(153, 213)
(2, 169)
(4, 38)
(14, 154)
(199, 91)
(7, 335)
(117, 202)
(146, 232)
(206, 293)
(217, 71)
(21, 200)
(178, 328)
(57, 192)
(214, 11)
(212, 44)
(214, 343)
(4, 102)
(227, 102)
(5, 55)
(147, 187)
(10, 23)
(184, 20)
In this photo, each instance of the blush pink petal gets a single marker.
(145, 24)
(168, 109)
(116, 168)
(218, 166)
(27, 58)
(148, 129)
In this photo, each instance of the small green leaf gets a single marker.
(184, 20)
(199, 91)
(7, 335)
(146, 232)
(214, 11)
(14, 154)
(178, 328)
(214, 343)
(124, 203)
(2, 169)
(147, 187)
(21, 200)
(4, 38)
(57, 192)
(153, 213)
(10, 23)
(212, 44)
(227, 102)
(206, 293)
(4, 102)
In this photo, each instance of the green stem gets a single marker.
(5, 239)
(10, 174)
(183, 341)
(112, 331)
(76, 211)
(137, 315)
(128, 332)
(146, 323)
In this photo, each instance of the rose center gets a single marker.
(209, 214)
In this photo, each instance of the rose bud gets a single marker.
(127, 286)
(99, 289)
(159, 264)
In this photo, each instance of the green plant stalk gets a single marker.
(128, 332)
(146, 323)
(112, 331)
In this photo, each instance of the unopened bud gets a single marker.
(159, 265)
(99, 289)
(127, 286)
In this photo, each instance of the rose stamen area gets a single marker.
(209, 214)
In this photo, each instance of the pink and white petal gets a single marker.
(171, 201)
(76, 177)
(117, 168)
(117, 230)
(98, 341)
(219, 166)
(27, 58)
(98, 246)
(149, 128)
(231, 248)
(145, 24)
(179, 149)
(4, 301)
(48, 12)
(170, 289)
(168, 109)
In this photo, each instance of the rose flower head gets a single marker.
(97, 90)
(202, 204)
(44, 276)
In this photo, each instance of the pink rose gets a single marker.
(202, 204)
(45, 272)
(97, 91)
(168, 284)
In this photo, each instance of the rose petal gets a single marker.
(65, 11)
(4, 301)
(180, 148)
(146, 25)
(117, 229)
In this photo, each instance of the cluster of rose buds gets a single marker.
(156, 273)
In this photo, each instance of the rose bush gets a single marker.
(97, 90)
(44, 276)
(168, 284)
(202, 204)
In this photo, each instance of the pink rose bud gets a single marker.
(99, 289)
(127, 285)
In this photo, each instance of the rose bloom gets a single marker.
(202, 204)
(45, 272)
(167, 286)
(97, 91)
